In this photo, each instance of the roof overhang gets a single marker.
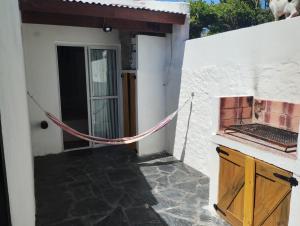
(75, 13)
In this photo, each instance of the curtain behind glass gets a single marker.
(103, 69)
(104, 93)
(106, 118)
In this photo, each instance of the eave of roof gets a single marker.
(152, 5)
(132, 15)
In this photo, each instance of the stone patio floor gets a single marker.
(113, 187)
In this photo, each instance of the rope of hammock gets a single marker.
(113, 141)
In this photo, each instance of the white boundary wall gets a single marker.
(263, 61)
(173, 76)
(14, 117)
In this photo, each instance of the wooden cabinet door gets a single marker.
(129, 106)
(252, 192)
(272, 196)
(231, 186)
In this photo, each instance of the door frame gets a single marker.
(86, 47)
(119, 87)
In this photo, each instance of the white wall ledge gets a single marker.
(277, 158)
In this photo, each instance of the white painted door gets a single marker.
(152, 55)
(104, 92)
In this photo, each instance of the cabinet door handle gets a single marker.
(219, 150)
(219, 210)
(292, 180)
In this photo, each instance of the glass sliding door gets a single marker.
(104, 92)
(73, 93)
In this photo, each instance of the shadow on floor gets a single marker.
(111, 186)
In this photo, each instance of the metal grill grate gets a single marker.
(283, 138)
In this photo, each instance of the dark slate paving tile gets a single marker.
(192, 201)
(100, 183)
(206, 218)
(50, 216)
(203, 191)
(183, 213)
(121, 175)
(163, 203)
(173, 194)
(178, 175)
(53, 209)
(167, 168)
(142, 198)
(155, 176)
(162, 223)
(112, 196)
(142, 215)
(152, 158)
(110, 186)
(91, 220)
(174, 221)
(90, 206)
(163, 181)
(74, 222)
(126, 201)
(204, 180)
(149, 170)
(152, 184)
(189, 186)
(115, 218)
(78, 175)
(80, 190)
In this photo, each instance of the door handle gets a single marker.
(219, 150)
(292, 180)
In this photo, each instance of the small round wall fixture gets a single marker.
(107, 29)
(44, 124)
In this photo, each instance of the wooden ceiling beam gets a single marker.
(94, 10)
(95, 22)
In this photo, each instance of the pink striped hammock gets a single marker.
(114, 141)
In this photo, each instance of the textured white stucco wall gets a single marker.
(173, 76)
(14, 117)
(42, 78)
(263, 61)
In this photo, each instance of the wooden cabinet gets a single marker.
(231, 186)
(252, 192)
(129, 106)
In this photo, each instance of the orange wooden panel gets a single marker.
(132, 107)
(125, 104)
(231, 183)
(249, 191)
(272, 196)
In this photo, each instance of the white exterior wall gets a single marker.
(152, 60)
(160, 97)
(158, 85)
(263, 61)
(42, 77)
(172, 83)
(14, 117)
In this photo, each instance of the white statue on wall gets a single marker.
(284, 8)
